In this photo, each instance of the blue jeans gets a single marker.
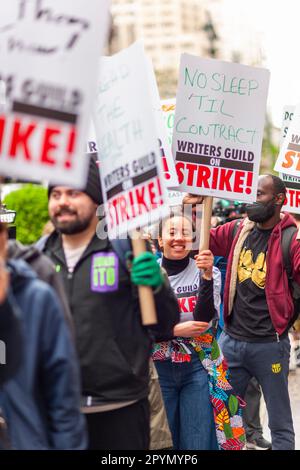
(269, 364)
(186, 395)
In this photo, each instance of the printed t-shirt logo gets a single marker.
(248, 269)
(105, 272)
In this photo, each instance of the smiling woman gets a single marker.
(176, 236)
(184, 364)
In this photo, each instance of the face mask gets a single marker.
(261, 212)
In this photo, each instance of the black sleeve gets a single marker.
(10, 341)
(205, 308)
(167, 311)
(56, 282)
(45, 270)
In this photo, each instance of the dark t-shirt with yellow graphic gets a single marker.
(250, 319)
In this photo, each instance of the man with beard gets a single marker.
(258, 303)
(113, 346)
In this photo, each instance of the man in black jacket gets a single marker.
(112, 344)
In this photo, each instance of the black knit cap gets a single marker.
(93, 185)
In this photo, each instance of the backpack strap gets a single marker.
(286, 240)
(41, 243)
(236, 227)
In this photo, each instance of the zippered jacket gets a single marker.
(41, 402)
(278, 295)
(112, 344)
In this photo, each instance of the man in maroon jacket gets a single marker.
(258, 304)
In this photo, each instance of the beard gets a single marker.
(71, 227)
(260, 212)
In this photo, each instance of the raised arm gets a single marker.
(205, 307)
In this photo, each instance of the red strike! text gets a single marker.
(18, 140)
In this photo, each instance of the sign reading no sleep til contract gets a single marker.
(49, 56)
(218, 128)
(130, 158)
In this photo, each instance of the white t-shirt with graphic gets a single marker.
(186, 287)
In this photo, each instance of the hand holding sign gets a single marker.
(205, 260)
(192, 199)
(146, 271)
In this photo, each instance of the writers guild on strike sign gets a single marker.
(292, 201)
(29, 141)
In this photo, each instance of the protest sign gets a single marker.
(175, 197)
(130, 160)
(168, 164)
(218, 129)
(168, 109)
(91, 145)
(292, 202)
(292, 183)
(288, 160)
(288, 113)
(49, 59)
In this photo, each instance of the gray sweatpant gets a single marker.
(269, 364)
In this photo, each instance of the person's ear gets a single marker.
(280, 198)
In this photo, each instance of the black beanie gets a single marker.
(93, 185)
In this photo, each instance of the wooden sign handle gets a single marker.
(206, 223)
(146, 297)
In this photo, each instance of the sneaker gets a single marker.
(259, 444)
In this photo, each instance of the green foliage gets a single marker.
(31, 205)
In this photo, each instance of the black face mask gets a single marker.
(260, 211)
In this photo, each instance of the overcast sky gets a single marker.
(278, 24)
